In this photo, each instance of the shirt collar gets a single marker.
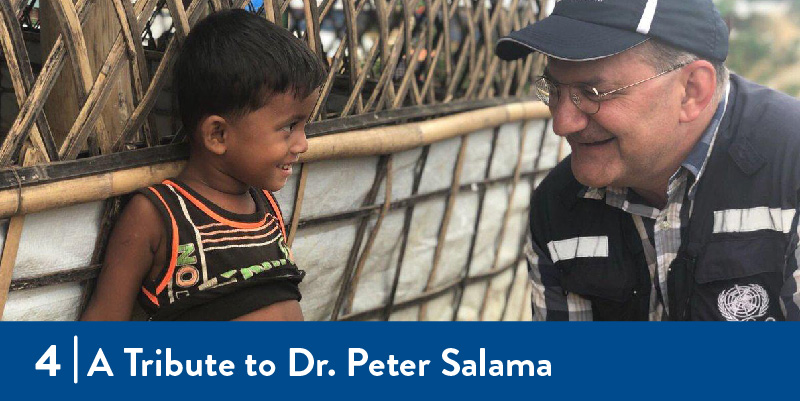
(697, 157)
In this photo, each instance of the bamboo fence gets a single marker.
(406, 62)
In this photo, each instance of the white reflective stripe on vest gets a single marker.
(578, 247)
(757, 218)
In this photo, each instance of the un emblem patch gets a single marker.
(743, 302)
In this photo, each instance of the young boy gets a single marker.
(210, 244)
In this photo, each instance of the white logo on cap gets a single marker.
(743, 302)
(647, 17)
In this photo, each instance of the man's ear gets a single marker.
(213, 133)
(700, 83)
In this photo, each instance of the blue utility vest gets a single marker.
(738, 248)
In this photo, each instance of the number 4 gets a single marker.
(48, 361)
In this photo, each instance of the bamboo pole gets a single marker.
(477, 224)
(15, 4)
(311, 12)
(72, 92)
(179, 18)
(22, 77)
(377, 141)
(30, 110)
(398, 138)
(351, 30)
(84, 189)
(298, 204)
(142, 110)
(140, 76)
(422, 161)
(380, 173)
(387, 201)
(14, 234)
(506, 217)
(445, 224)
(10, 248)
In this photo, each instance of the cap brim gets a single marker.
(567, 39)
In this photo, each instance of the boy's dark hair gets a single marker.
(233, 61)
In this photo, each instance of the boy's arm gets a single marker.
(137, 237)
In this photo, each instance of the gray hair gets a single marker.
(662, 56)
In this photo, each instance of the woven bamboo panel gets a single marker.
(384, 56)
(381, 54)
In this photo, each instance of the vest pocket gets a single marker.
(739, 277)
(730, 258)
(596, 278)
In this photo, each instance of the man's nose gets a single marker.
(567, 117)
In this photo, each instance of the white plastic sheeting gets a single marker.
(58, 239)
(335, 186)
(55, 302)
(322, 252)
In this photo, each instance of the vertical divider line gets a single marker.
(75, 373)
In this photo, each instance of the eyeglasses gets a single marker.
(586, 98)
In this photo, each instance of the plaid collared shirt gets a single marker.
(659, 229)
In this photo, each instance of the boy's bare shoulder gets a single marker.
(140, 217)
(141, 205)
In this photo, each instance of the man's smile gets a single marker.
(596, 143)
(588, 142)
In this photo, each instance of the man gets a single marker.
(679, 199)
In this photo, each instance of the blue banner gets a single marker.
(409, 361)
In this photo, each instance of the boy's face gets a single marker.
(265, 143)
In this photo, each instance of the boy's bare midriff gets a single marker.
(285, 310)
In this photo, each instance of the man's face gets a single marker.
(634, 139)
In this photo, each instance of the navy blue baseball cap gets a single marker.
(582, 30)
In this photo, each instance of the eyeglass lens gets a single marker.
(548, 93)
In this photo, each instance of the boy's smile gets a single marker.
(263, 145)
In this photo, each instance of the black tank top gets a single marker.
(221, 265)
